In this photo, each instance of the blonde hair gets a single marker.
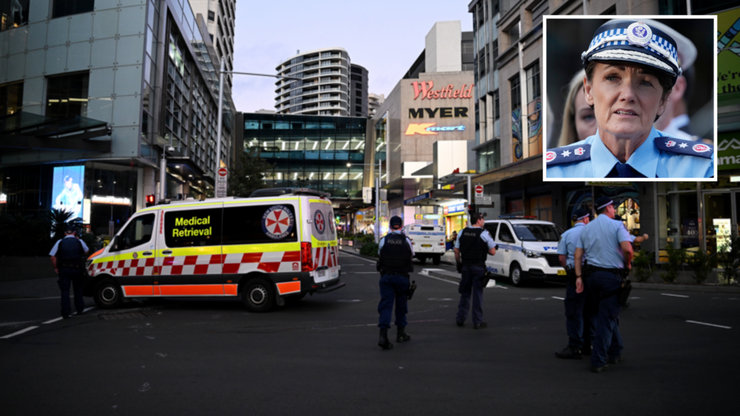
(568, 133)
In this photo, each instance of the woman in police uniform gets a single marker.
(631, 68)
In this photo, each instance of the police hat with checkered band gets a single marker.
(634, 41)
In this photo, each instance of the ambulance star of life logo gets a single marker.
(277, 222)
(670, 143)
(319, 222)
(700, 148)
(550, 156)
(579, 151)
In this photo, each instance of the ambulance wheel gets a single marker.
(259, 295)
(107, 294)
(515, 275)
(436, 260)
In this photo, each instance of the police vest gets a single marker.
(473, 250)
(69, 254)
(395, 257)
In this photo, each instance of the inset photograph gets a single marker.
(632, 97)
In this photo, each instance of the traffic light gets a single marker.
(150, 200)
(471, 209)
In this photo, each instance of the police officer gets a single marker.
(607, 247)
(631, 69)
(578, 321)
(396, 253)
(472, 247)
(67, 258)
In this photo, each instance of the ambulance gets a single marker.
(271, 248)
(428, 241)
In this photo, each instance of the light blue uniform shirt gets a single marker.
(658, 157)
(485, 236)
(600, 240)
(567, 244)
(54, 249)
(382, 241)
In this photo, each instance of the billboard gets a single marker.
(68, 183)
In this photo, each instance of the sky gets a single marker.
(384, 36)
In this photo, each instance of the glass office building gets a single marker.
(318, 152)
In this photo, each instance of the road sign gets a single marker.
(221, 181)
(367, 194)
(478, 190)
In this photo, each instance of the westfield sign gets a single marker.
(425, 90)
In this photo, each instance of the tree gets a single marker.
(249, 173)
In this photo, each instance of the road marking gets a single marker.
(22, 331)
(358, 257)
(704, 323)
(363, 272)
(555, 297)
(53, 320)
(675, 296)
(349, 300)
(15, 323)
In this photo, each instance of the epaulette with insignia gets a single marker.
(568, 154)
(684, 147)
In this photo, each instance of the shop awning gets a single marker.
(435, 197)
(32, 131)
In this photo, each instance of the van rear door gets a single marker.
(323, 240)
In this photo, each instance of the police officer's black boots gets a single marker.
(383, 342)
(401, 335)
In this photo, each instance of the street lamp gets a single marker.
(221, 103)
(377, 195)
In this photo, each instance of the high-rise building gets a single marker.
(106, 95)
(373, 102)
(319, 83)
(219, 17)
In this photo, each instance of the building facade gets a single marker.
(358, 87)
(220, 18)
(98, 93)
(509, 139)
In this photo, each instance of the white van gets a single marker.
(428, 241)
(275, 246)
(527, 249)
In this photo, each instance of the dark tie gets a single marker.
(623, 170)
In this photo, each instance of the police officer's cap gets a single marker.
(636, 42)
(603, 202)
(396, 222)
(580, 214)
(70, 228)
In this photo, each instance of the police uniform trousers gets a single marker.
(393, 287)
(603, 286)
(579, 311)
(471, 282)
(75, 278)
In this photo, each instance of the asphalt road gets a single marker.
(321, 356)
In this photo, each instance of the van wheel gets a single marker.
(258, 295)
(107, 294)
(515, 274)
(436, 260)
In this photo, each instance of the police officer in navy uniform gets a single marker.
(396, 253)
(631, 69)
(607, 248)
(474, 244)
(578, 320)
(67, 258)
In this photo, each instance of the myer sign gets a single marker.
(728, 150)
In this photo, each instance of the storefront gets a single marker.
(455, 218)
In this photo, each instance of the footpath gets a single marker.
(653, 284)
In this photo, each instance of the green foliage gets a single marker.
(59, 220)
(365, 238)
(642, 265)
(676, 257)
(248, 175)
(369, 249)
(700, 264)
(729, 260)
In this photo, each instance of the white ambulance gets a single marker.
(428, 241)
(527, 249)
(275, 246)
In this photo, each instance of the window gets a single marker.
(67, 95)
(245, 224)
(138, 232)
(491, 228)
(14, 13)
(70, 7)
(11, 99)
(533, 82)
(505, 234)
(211, 15)
(193, 228)
(516, 98)
(514, 34)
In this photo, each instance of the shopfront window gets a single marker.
(718, 211)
